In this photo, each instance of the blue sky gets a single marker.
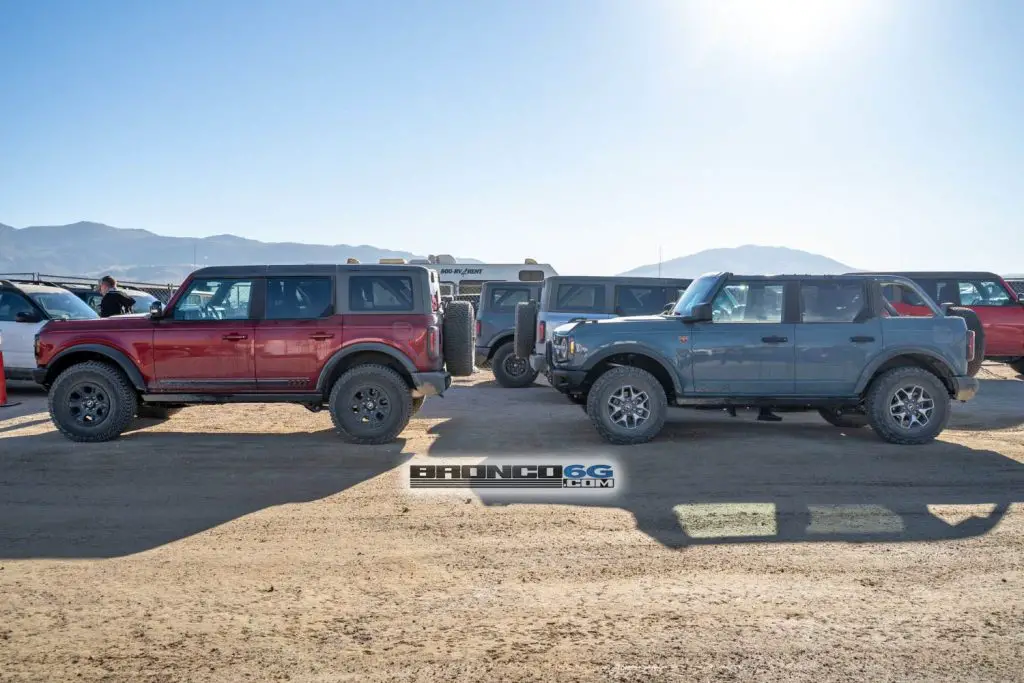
(584, 133)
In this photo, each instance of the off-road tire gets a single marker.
(503, 354)
(525, 328)
(608, 384)
(973, 324)
(386, 380)
(158, 411)
(844, 419)
(117, 390)
(881, 392)
(457, 338)
(417, 403)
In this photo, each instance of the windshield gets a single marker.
(697, 293)
(63, 306)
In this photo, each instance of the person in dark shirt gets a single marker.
(114, 301)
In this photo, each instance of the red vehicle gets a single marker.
(997, 306)
(368, 342)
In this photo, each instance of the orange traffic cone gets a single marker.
(3, 385)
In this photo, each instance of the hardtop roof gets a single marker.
(289, 270)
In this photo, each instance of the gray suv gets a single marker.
(826, 343)
(566, 298)
(495, 327)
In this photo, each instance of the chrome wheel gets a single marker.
(629, 407)
(911, 406)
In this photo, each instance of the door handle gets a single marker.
(234, 336)
(321, 336)
(775, 340)
(861, 340)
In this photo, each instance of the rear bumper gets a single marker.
(430, 383)
(539, 362)
(965, 388)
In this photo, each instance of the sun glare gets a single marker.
(774, 29)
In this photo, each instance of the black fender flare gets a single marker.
(376, 347)
(116, 355)
(639, 350)
(868, 373)
(499, 339)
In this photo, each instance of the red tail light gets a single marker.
(435, 301)
(433, 342)
(970, 345)
(542, 331)
(478, 329)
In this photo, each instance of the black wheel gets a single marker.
(512, 371)
(417, 403)
(457, 338)
(158, 411)
(370, 404)
(973, 324)
(846, 419)
(91, 402)
(627, 405)
(908, 406)
(525, 328)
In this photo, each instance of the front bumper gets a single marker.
(430, 383)
(965, 388)
(39, 375)
(568, 381)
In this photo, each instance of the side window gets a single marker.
(389, 293)
(215, 300)
(579, 298)
(896, 293)
(13, 303)
(832, 302)
(983, 293)
(504, 300)
(630, 300)
(749, 302)
(294, 298)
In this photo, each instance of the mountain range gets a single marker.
(94, 249)
(750, 259)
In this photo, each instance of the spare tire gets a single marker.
(457, 338)
(526, 328)
(973, 324)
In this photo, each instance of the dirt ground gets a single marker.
(248, 543)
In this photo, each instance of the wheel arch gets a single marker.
(364, 353)
(94, 352)
(635, 355)
(914, 357)
(499, 340)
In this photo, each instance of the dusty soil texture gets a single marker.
(248, 543)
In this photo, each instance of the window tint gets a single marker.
(63, 305)
(831, 302)
(504, 300)
(630, 300)
(579, 298)
(754, 302)
(380, 293)
(531, 275)
(11, 304)
(983, 293)
(293, 298)
(215, 300)
(896, 293)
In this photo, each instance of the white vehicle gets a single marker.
(24, 309)
(463, 280)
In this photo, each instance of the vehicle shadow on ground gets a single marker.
(143, 491)
(713, 480)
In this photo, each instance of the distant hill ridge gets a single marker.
(94, 249)
(749, 259)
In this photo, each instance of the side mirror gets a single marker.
(701, 313)
(26, 318)
(156, 309)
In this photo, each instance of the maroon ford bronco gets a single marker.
(369, 342)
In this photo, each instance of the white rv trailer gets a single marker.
(463, 280)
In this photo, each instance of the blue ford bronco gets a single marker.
(802, 342)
